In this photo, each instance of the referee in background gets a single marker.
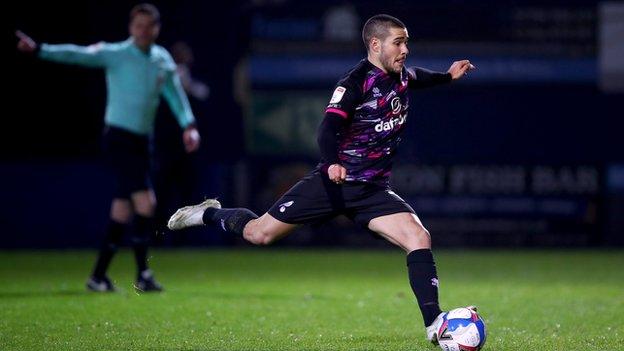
(137, 72)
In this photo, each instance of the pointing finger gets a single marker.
(21, 35)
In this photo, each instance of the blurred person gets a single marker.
(358, 140)
(137, 72)
(341, 23)
(175, 173)
(184, 58)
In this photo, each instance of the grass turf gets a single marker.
(275, 299)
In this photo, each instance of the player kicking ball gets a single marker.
(358, 140)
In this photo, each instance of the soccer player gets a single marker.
(137, 72)
(358, 139)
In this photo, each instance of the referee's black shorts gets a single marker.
(315, 198)
(127, 154)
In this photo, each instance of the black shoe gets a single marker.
(100, 284)
(146, 282)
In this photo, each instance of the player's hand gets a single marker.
(25, 44)
(460, 68)
(191, 139)
(337, 173)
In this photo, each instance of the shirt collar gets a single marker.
(136, 49)
(377, 70)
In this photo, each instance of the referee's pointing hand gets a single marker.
(25, 44)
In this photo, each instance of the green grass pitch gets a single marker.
(284, 299)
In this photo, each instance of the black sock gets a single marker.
(112, 240)
(143, 229)
(231, 220)
(424, 282)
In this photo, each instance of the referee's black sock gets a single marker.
(231, 220)
(144, 227)
(424, 282)
(112, 240)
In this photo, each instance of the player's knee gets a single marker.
(425, 238)
(423, 233)
(259, 237)
(144, 203)
(267, 239)
(418, 238)
(121, 214)
(145, 211)
(263, 238)
(145, 207)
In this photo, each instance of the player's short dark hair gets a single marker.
(378, 26)
(145, 9)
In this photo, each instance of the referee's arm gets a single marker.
(96, 55)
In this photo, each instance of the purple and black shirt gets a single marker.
(373, 105)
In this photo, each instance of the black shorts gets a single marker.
(316, 199)
(127, 154)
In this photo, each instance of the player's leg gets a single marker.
(120, 216)
(406, 231)
(241, 221)
(144, 204)
(305, 202)
(402, 229)
(266, 229)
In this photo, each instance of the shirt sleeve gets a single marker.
(96, 55)
(346, 97)
(338, 114)
(176, 98)
(423, 78)
(328, 135)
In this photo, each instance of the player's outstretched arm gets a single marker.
(459, 68)
(25, 43)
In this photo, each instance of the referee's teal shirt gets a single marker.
(135, 80)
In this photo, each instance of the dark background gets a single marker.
(526, 151)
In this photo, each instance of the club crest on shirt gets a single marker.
(338, 94)
(396, 105)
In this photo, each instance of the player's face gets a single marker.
(144, 30)
(394, 50)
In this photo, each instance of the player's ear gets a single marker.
(375, 45)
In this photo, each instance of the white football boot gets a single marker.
(432, 330)
(191, 216)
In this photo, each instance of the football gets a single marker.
(462, 329)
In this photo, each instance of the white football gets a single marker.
(462, 329)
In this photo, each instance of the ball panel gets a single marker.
(459, 313)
